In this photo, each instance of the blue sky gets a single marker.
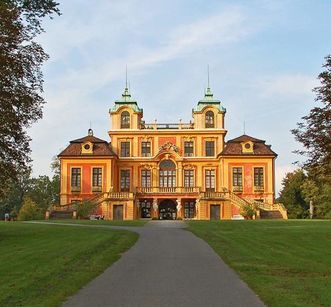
(264, 58)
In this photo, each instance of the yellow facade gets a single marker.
(168, 171)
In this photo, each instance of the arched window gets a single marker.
(167, 174)
(125, 119)
(210, 119)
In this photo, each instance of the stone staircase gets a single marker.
(264, 210)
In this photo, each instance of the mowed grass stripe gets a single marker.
(287, 263)
(40, 265)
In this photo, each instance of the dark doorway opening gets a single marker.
(215, 212)
(118, 212)
(167, 210)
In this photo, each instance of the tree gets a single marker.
(314, 133)
(292, 196)
(11, 202)
(21, 81)
(29, 210)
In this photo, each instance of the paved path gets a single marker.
(168, 266)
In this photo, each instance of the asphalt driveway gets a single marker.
(168, 266)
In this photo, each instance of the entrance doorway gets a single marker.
(214, 212)
(118, 212)
(167, 210)
(145, 209)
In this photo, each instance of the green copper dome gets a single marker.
(209, 100)
(126, 101)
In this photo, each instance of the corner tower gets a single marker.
(125, 114)
(209, 113)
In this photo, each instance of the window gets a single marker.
(188, 178)
(125, 149)
(210, 180)
(188, 149)
(146, 149)
(210, 148)
(258, 176)
(237, 177)
(125, 180)
(167, 174)
(189, 209)
(125, 119)
(75, 179)
(97, 177)
(145, 178)
(210, 119)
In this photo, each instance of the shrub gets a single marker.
(248, 211)
(29, 210)
(84, 209)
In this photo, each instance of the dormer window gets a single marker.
(247, 147)
(125, 119)
(87, 148)
(209, 123)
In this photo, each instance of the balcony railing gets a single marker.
(158, 126)
(168, 190)
(214, 195)
(119, 195)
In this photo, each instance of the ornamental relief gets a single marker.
(168, 146)
(188, 166)
(146, 166)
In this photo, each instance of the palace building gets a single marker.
(170, 171)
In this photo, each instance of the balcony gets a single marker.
(171, 126)
(119, 195)
(168, 190)
(214, 195)
(96, 189)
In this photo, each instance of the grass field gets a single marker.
(287, 263)
(100, 222)
(40, 265)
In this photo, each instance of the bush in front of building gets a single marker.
(248, 212)
(84, 209)
(29, 210)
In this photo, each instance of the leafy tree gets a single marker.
(29, 210)
(21, 81)
(314, 133)
(85, 208)
(292, 196)
(11, 202)
(55, 166)
(41, 192)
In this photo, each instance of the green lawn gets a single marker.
(287, 263)
(100, 222)
(40, 265)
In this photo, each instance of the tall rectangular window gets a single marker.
(145, 178)
(75, 178)
(237, 177)
(258, 176)
(125, 180)
(188, 149)
(125, 149)
(188, 178)
(210, 179)
(146, 149)
(210, 148)
(97, 177)
(189, 209)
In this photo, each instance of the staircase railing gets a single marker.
(269, 207)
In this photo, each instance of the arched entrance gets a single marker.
(167, 210)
